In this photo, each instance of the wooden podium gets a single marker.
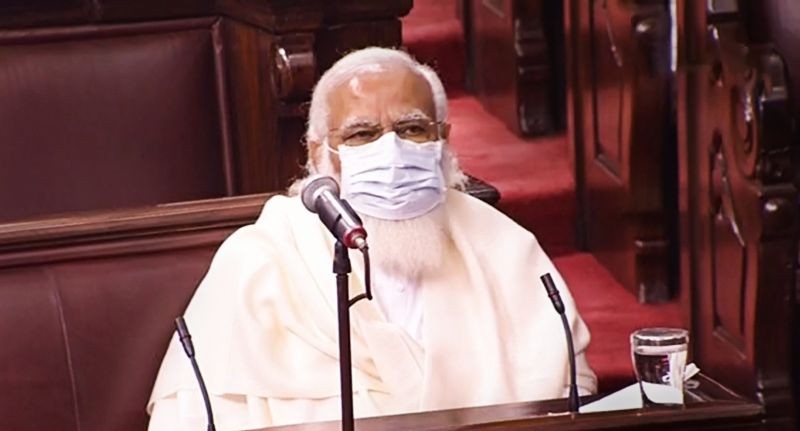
(710, 406)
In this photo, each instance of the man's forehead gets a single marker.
(377, 93)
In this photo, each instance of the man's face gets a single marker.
(373, 103)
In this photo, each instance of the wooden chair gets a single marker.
(515, 61)
(118, 103)
(739, 215)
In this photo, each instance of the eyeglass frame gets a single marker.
(439, 128)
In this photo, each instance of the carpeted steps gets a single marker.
(433, 34)
(533, 176)
(537, 190)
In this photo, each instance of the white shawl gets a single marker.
(264, 326)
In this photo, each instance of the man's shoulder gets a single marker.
(281, 204)
(282, 210)
(470, 211)
(485, 227)
(276, 215)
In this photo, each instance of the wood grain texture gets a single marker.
(513, 52)
(33, 13)
(738, 205)
(267, 56)
(250, 59)
(712, 407)
(340, 11)
(620, 132)
(115, 233)
(30, 13)
(275, 16)
(126, 10)
(335, 41)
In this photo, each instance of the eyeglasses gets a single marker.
(417, 130)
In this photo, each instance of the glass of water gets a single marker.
(659, 358)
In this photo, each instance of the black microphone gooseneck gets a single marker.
(188, 347)
(320, 195)
(558, 304)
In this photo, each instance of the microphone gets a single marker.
(320, 195)
(188, 347)
(558, 304)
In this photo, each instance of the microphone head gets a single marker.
(313, 186)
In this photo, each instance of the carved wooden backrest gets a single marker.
(738, 204)
(619, 126)
(124, 103)
(515, 63)
(87, 304)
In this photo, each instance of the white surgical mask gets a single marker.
(393, 178)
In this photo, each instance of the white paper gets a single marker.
(624, 399)
(630, 398)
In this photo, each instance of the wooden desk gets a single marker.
(710, 406)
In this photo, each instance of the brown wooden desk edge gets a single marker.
(720, 407)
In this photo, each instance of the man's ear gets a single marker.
(445, 131)
(314, 153)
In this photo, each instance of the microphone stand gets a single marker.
(558, 304)
(342, 268)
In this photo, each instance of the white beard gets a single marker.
(408, 248)
(405, 248)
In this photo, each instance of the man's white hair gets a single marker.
(364, 61)
(368, 60)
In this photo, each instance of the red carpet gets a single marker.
(537, 190)
(434, 35)
(533, 177)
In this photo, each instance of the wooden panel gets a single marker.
(778, 21)
(738, 204)
(32, 13)
(711, 406)
(334, 41)
(493, 69)
(28, 13)
(86, 235)
(99, 292)
(609, 35)
(266, 57)
(359, 10)
(127, 10)
(513, 51)
(105, 134)
(277, 16)
(250, 58)
(352, 24)
(620, 130)
(269, 78)
(40, 370)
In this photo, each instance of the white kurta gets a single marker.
(264, 326)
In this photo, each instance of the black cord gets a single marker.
(574, 401)
(204, 391)
(558, 304)
(367, 279)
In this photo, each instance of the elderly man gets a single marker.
(459, 317)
